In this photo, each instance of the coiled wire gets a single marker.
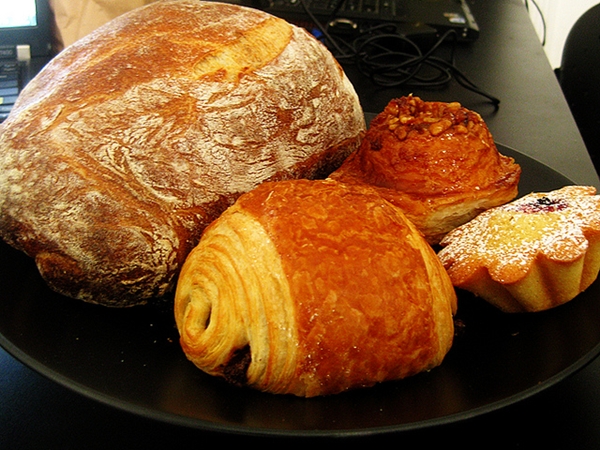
(391, 59)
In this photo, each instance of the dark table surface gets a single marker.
(533, 118)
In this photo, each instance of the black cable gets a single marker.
(391, 59)
(378, 58)
(329, 39)
(542, 18)
(336, 9)
(406, 63)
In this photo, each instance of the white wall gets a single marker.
(560, 15)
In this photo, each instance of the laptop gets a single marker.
(25, 46)
(438, 16)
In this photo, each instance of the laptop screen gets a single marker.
(18, 14)
(26, 22)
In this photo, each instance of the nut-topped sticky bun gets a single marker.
(435, 160)
(532, 254)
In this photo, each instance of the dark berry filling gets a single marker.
(543, 205)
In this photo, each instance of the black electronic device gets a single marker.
(359, 15)
(25, 33)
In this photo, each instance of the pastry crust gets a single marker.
(313, 288)
(132, 140)
(435, 160)
(532, 254)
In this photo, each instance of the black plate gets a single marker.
(131, 359)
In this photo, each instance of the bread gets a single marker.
(133, 139)
(533, 254)
(435, 160)
(313, 288)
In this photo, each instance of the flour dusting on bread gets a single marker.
(132, 140)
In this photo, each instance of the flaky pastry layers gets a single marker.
(313, 288)
(435, 160)
(529, 255)
(132, 140)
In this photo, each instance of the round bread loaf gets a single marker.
(132, 140)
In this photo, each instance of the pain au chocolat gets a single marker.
(435, 160)
(313, 288)
(133, 139)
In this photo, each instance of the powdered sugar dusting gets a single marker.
(506, 240)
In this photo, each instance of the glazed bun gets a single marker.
(437, 161)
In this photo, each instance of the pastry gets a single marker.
(532, 254)
(313, 288)
(133, 139)
(435, 160)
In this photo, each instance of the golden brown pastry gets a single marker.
(313, 288)
(133, 139)
(435, 160)
(532, 254)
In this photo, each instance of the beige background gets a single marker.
(76, 18)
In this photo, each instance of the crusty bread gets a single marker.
(133, 139)
(436, 160)
(313, 288)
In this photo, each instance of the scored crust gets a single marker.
(132, 140)
(312, 288)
